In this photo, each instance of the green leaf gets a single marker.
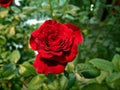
(12, 31)
(54, 85)
(88, 70)
(15, 9)
(113, 77)
(26, 69)
(8, 72)
(44, 87)
(70, 67)
(15, 56)
(84, 66)
(90, 73)
(102, 76)
(71, 82)
(116, 62)
(113, 80)
(2, 40)
(102, 64)
(36, 82)
(16, 86)
(5, 55)
(63, 82)
(3, 13)
(95, 86)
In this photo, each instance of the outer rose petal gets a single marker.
(43, 66)
(51, 22)
(5, 3)
(33, 44)
(47, 22)
(76, 31)
(74, 50)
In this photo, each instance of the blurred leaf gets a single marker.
(84, 66)
(113, 80)
(113, 77)
(76, 3)
(14, 56)
(58, 83)
(118, 49)
(3, 13)
(36, 82)
(94, 20)
(70, 67)
(63, 82)
(102, 77)
(26, 69)
(95, 86)
(88, 71)
(16, 86)
(8, 72)
(102, 64)
(54, 85)
(67, 16)
(15, 9)
(71, 82)
(5, 55)
(116, 62)
(44, 87)
(2, 40)
(12, 31)
(1, 60)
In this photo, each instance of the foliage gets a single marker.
(97, 65)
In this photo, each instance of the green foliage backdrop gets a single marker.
(97, 65)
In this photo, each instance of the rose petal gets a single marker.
(51, 22)
(45, 54)
(5, 3)
(72, 54)
(39, 65)
(77, 32)
(67, 56)
(45, 67)
(33, 43)
(57, 53)
(68, 44)
(48, 22)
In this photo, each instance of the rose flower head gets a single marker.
(5, 3)
(56, 44)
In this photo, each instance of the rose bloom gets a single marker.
(5, 3)
(56, 44)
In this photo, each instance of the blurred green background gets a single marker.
(97, 66)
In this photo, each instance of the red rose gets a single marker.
(56, 45)
(5, 3)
